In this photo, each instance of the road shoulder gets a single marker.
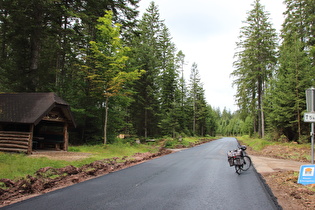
(267, 164)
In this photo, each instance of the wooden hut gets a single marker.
(34, 121)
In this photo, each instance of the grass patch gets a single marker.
(255, 143)
(14, 166)
(119, 150)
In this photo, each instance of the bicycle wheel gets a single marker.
(247, 163)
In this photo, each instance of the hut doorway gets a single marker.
(50, 136)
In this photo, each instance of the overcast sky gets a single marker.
(206, 31)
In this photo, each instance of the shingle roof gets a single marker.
(30, 108)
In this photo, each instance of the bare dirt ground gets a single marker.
(281, 175)
(72, 156)
(272, 163)
(62, 155)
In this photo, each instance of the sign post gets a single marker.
(307, 172)
(310, 115)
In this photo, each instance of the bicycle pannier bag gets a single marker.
(238, 157)
(230, 158)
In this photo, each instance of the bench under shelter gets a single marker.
(34, 121)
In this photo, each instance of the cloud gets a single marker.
(206, 31)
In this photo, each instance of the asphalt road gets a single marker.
(195, 178)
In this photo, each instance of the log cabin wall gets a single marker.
(14, 141)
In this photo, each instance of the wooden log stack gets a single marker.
(12, 141)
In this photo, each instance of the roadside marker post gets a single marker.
(310, 115)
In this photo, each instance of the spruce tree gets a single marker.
(146, 54)
(170, 98)
(183, 108)
(286, 95)
(256, 59)
(197, 102)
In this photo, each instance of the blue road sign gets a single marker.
(307, 174)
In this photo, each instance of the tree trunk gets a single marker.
(4, 36)
(145, 122)
(105, 121)
(174, 136)
(297, 89)
(194, 121)
(35, 41)
(261, 123)
(35, 53)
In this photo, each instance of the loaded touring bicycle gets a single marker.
(239, 159)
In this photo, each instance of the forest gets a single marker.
(122, 73)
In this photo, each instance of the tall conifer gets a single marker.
(255, 63)
(197, 102)
(145, 110)
(286, 95)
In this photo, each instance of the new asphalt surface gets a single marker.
(195, 178)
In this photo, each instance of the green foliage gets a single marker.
(147, 54)
(256, 60)
(106, 65)
(41, 50)
(232, 124)
(283, 89)
(170, 143)
(161, 105)
(285, 101)
(90, 54)
(197, 102)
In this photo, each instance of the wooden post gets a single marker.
(30, 141)
(65, 137)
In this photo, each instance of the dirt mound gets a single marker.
(290, 195)
(283, 176)
(48, 178)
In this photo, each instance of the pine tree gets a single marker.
(286, 95)
(212, 119)
(147, 55)
(255, 63)
(224, 121)
(287, 92)
(197, 101)
(169, 78)
(183, 108)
